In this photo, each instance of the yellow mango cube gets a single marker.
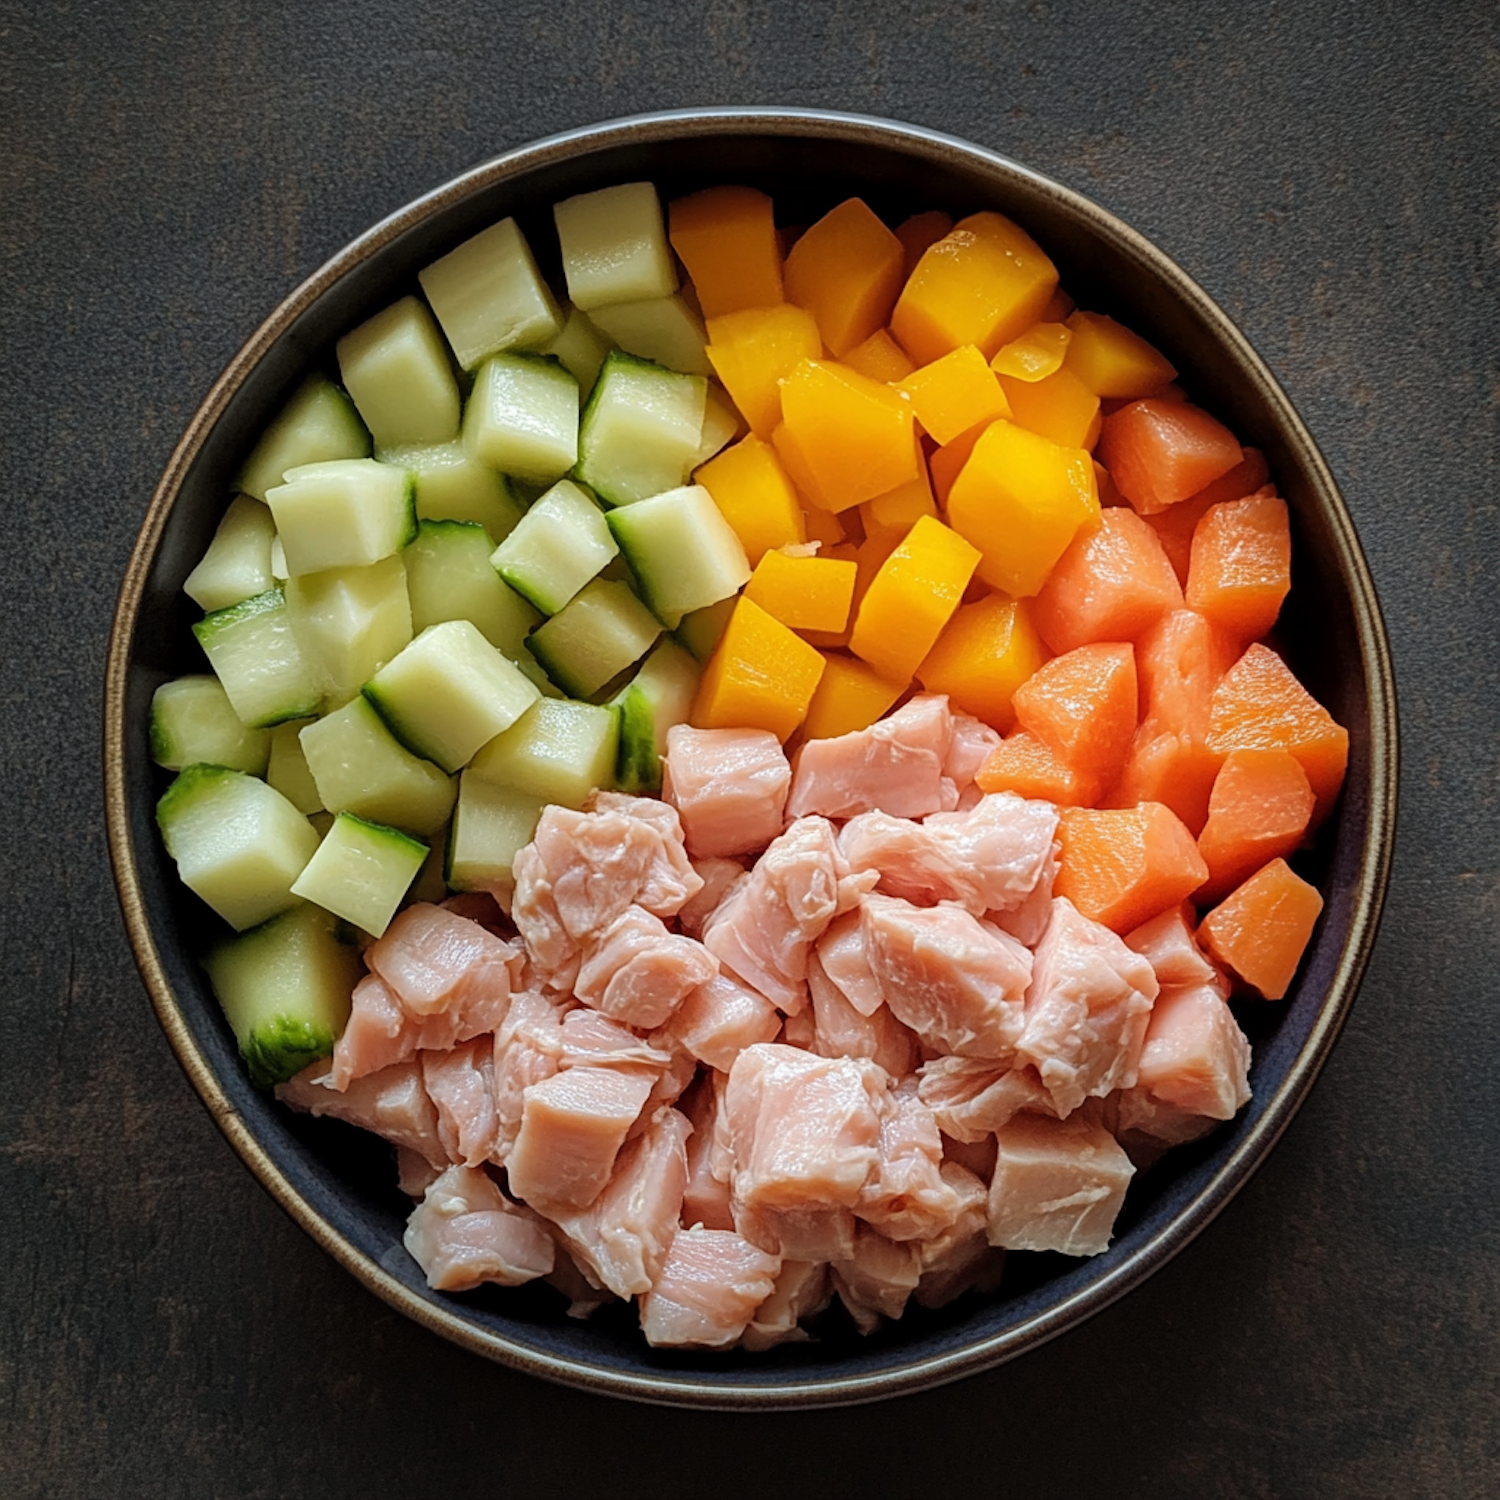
(880, 357)
(847, 272)
(804, 593)
(1036, 354)
(1059, 406)
(761, 676)
(850, 696)
(986, 651)
(823, 526)
(753, 351)
(1112, 361)
(726, 238)
(755, 495)
(894, 513)
(954, 393)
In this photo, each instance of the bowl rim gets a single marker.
(686, 1389)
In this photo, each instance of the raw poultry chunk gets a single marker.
(435, 960)
(839, 1030)
(970, 1097)
(719, 876)
(803, 1289)
(391, 1102)
(1195, 1057)
(708, 1290)
(465, 1232)
(461, 1085)
(960, 1258)
(875, 1281)
(729, 787)
(907, 1197)
(634, 970)
(841, 952)
(719, 1019)
(1167, 943)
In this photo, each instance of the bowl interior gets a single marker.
(338, 1182)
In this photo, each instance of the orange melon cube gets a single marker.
(955, 393)
(853, 436)
(851, 695)
(1160, 452)
(1262, 929)
(753, 351)
(894, 513)
(911, 598)
(984, 283)
(1112, 361)
(754, 494)
(986, 651)
(846, 271)
(1176, 524)
(880, 357)
(805, 593)
(761, 676)
(824, 527)
(947, 462)
(1240, 568)
(1036, 354)
(1058, 406)
(1021, 499)
(726, 238)
(920, 231)
(1023, 764)
(1259, 810)
(1083, 705)
(1122, 867)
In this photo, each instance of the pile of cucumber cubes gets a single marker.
(428, 616)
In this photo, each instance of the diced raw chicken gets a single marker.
(1028, 921)
(803, 1289)
(414, 1173)
(1196, 1057)
(1058, 1185)
(970, 1098)
(621, 1239)
(705, 1199)
(767, 923)
(805, 1137)
(673, 1081)
(554, 953)
(991, 858)
(841, 1031)
(1147, 1127)
(671, 880)
(435, 960)
(527, 1049)
(719, 1019)
(957, 982)
(960, 1259)
(977, 1157)
(461, 1085)
(719, 877)
(708, 1290)
(589, 1037)
(635, 971)
(572, 1127)
(1167, 943)
(895, 766)
(465, 1232)
(907, 1197)
(877, 1279)
(968, 749)
(800, 1031)
(392, 1102)
(728, 785)
(1086, 1011)
(841, 951)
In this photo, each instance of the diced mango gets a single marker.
(1058, 406)
(823, 526)
(947, 463)
(755, 495)
(1112, 361)
(804, 593)
(1036, 354)
(846, 271)
(1021, 499)
(955, 393)
(984, 283)
(921, 231)
(760, 676)
(753, 352)
(869, 557)
(911, 598)
(726, 238)
(850, 696)
(880, 357)
(986, 651)
(894, 513)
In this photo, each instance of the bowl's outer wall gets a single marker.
(330, 1178)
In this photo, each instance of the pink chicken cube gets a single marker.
(729, 787)
(960, 1258)
(1167, 943)
(968, 749)
(465, 1232)
(877, 1279)
(971, 1098)
(392, 1102)
(907, 1197)
(719, 1019)
(708, 1290)
(839, 1030)
(435, 960)
(461, 1085)
(846, 964)
(719, 877)
(803, 1289)
(1196, 1057)
(635, 971)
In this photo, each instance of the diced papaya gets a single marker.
(1123, 866)
(1060, 307)
(955, 393)
(1058, 406)
(895, 513)
(754, 493)
(1023, 764)
(1021, 499)
(1175, 525)
(846, 271)
(947, 462)
(855, 436)
(919, 232)
(1112, 361)
(1261, 930)
(1259, 811)
(869, 557)
(880, 357)
(983, 283)
(726, 237)
(1260, 705)
(826, 528)
(1036, 354)
(986, 651)
(1160, 452)
(851, 695)
(1110, 585)
(754, 351)
(804, 593)
(911, 598)
(1241, 564)
(1084, 705)
(761, 676)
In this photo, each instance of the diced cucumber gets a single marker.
(395, 368)
(491, 825)
(193, 723)
(641, 430)
(358, 766)
(721, 425)
(287, 769)
(431, 884)
(254, 651)
(284, 987)
(238, 843)
(657, 697)
(700, 631)
(664, 330)
(345, 514)
(558, 750)
(361, 871)
(450, 692)
(614, 246)
(318, 424)
(522, 418)
(581, 348)
(278, 561)
(560, 543)
(594, 638)
(682, 551)
(451, 486)
(237, 564)
(449, 577)
(349, 622)
(489, 296)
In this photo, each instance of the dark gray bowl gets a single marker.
(338, 1184)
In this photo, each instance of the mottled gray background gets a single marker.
(167, 173)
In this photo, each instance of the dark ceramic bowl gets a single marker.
(339, 1184)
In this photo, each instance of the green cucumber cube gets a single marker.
(558, 750)
(580, 347)
(664, 330)
(522, 418)
(641, 431)
(491, 825)
(614, 246)
(237, 565)
(345, 514)
(238, 843)
(361, 871)
(253, 650)
(450, 692)
(449, 577)
(594, 638)
(358, 766)
(193, 723)
(395, 368)
(451, 486)
(318, 424)
(700, 630)
(657, 697)
(431, 884)
(721, 425)
(349, 622)
(287, 771)
(560, 543)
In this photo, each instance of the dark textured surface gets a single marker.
(1326, 171)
